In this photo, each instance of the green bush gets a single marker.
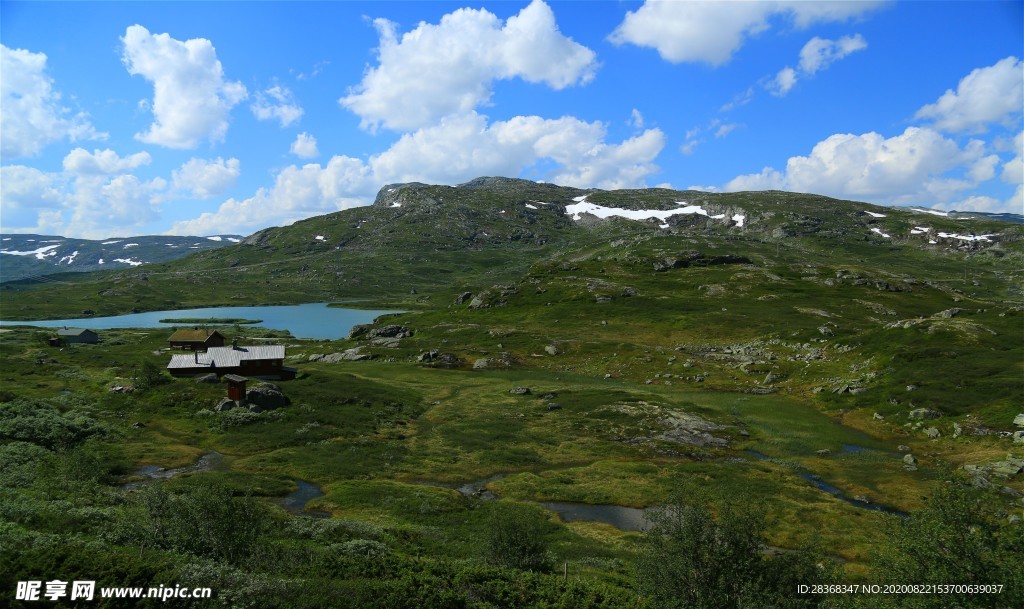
(695, 560)
(38, 422)
(515, 539)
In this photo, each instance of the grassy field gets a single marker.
(775, 368)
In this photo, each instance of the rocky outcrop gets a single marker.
(266, 396)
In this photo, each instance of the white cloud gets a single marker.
(820, 53)
(1013, 170)
(918, 166)
(987, 95)
(32, 114)
(817, 55)
(101, 206)
(457, 149)
(25, 192)
(304, 146)
(437, 70)
(203, 178)
(86, 203)
(636, 119)
(984, 169)
(99, 162)
(276, 102)
(726, 129)
(710, 32)
(191, 99)
(976, 203)
(783, 81)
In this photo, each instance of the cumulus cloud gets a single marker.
(457, 149)
(191, 99)
(304, 146)
(449, 67)
(206, 178)
(817, 55)
(993, 94)
(100, 162)
(1013, 170)
(86, 201)
(32, 114)
(710, 32)
(277, 102)
(918, 166)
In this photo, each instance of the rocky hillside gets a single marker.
(24, 256)
(418, 241)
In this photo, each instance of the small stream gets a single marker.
(821, 485)
(211, 461)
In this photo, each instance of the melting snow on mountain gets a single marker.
(933, 212)
(70, 258)
(581, 207)
(966, 237)
(129, 261)
(40, 253)
(874, 215)
(879, 232)
(528, 206)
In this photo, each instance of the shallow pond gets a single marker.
(316, 320)
(296, 501)
(620, 517)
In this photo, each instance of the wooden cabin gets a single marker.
(197, 339)
(260, 361)
(77, 335)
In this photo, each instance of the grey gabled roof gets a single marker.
(73, 331)
(226, 357)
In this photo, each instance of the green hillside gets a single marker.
(832, 384)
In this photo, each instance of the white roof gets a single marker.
(226, 357)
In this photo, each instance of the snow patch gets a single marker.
(663, 226)
(933, 212)
(127, 245)
(102, 261)
(879, 231)
(396, 205)
(110, 242)
(580, 199)
(70, 258)
(40, 253)
(739, 219)
(966, 237)
(129, 261)
(528, 206)
(577, 210)
(7, 238)
(932, 242)
(319, 237)
(210, 238)
(874, 215)
(233, 240)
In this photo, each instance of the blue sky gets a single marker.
(205, 118)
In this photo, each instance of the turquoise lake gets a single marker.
(315, 320)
